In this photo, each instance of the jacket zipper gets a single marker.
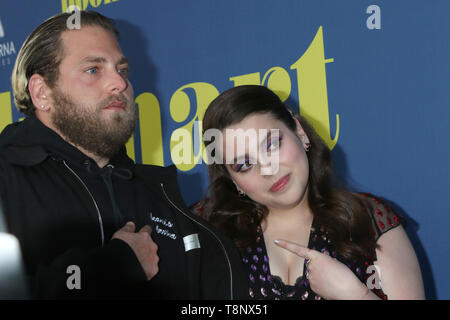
(210, 231)
(93, 200)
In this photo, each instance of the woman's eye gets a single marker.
(243, 167)
(274, 144)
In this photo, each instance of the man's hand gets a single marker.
(143, 246)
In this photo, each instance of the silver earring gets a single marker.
(307, 146)
(241, 193)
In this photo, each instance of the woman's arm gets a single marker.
(399, 268)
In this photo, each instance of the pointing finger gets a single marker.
(295, 248)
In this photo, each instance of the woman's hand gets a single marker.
(328, 277)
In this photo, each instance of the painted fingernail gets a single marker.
(276, 241)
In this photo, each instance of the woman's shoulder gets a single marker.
(382, 215)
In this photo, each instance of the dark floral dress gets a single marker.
(264, 285)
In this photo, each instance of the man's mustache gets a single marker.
(118, 98)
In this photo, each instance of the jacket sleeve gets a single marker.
(107, 272)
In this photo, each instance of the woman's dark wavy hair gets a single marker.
(342, 213)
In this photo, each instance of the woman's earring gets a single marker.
(307, 146)
(241, 193)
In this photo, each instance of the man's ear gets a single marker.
(301, 134)
(39, 92)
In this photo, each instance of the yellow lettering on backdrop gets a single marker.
(181, 140)
(247, 79)
(95, 3)
(65, 4)
(83, 4)
(312, 89)
(150, 129)
(5, 110)
(276, 79)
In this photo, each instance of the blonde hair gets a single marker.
(42, 53)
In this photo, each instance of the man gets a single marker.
(84, 213)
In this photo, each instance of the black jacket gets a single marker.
(58, 222)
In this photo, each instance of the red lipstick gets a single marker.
(281, 183)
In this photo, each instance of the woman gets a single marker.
(300, 236)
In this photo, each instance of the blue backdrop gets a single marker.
(373, 80)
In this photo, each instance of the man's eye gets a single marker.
(123, 72)
(92, 70)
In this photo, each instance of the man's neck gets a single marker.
(101, 161)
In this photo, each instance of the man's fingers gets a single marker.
(146, 229)
(295, 248)
(129, 227)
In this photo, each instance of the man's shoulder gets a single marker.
(22, 156)
(15, 131)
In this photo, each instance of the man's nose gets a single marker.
(117, 83)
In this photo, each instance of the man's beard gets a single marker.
(83, 126)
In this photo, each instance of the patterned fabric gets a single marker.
(264, 285)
